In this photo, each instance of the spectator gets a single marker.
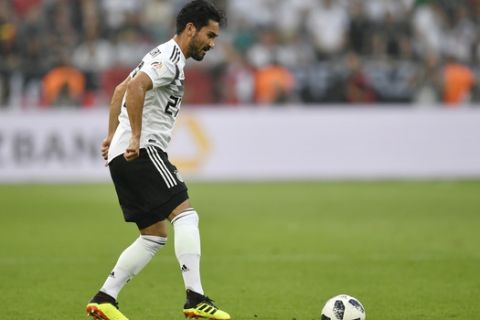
(429, 24)
(130, 42)
(9, 61)
(359, 28)
(93, 57)
(290, 16)
(459, 37)
(402, 46)
(244, 37)
(273, 84)
(357, 85)
(264, 51)
(458, 82)
(116, 11)
(393, 33)
(239, 81)
(377, 10)
(257, 13)
(327, 25)
(159, 19)
(64, 85)
(427, 82)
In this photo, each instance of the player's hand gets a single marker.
(105, 146)
(133, 150)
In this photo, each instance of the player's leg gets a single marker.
(134, 258)
(140, 189)
(148, 190)
(187, 244)
(187, 249)
(131, 261)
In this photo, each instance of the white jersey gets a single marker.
(164, 65)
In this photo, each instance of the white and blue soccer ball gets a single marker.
(343, 307)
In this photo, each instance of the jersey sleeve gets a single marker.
(161, 71)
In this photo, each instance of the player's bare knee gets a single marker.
(186, 205)
(158, 229)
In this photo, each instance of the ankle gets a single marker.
(102, 297)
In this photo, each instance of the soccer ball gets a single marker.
(343, 307)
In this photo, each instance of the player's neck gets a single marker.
(182, 42)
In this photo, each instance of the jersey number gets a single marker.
(172, 106)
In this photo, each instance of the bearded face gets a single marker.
(198, 48)
(203, 40)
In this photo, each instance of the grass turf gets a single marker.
(407, 250)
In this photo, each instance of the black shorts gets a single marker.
(148, 188)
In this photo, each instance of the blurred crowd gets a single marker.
(272, 52)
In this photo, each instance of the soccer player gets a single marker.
(143, 110)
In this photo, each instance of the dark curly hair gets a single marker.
(198, 12)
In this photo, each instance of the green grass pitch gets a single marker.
(407, 250)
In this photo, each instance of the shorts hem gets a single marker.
(160, 212)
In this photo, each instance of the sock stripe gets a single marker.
(184, 214)
(162, 243)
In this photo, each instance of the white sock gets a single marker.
(131, 262)
(187, 248)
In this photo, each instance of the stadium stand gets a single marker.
(324, 51)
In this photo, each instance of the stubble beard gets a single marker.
(196, 51)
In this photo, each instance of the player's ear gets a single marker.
(191, 29)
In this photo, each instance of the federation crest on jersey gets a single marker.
(157, 65)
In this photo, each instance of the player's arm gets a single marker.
(136, 90)
(115, 107)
